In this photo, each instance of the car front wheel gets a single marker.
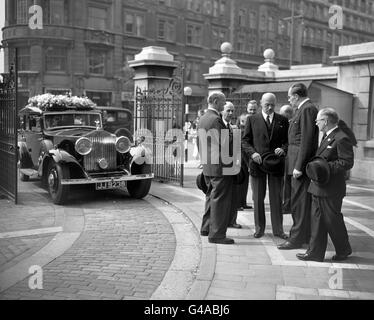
(139, 188)
(58, 192)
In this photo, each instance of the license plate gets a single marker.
(110, 185)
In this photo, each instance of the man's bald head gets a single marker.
(286, 111)
(268, 101)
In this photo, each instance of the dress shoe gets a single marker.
(222, 240)
(247, 207)
(288, 246)
(204, 233)
(282, 236)
(307, 257)
(258, 234)
(341, 257)
(235, 225)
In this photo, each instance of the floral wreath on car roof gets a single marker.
(50, 102)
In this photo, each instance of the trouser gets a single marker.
(233, 204)
(326, 218)
(275, 196)
(217, 206)
(286, 207)
(300, 210)
(243, 190)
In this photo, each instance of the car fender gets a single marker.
(62, 156)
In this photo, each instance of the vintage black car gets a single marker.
(63, 142)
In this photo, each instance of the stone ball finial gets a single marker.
(269, 54)
(226, 48)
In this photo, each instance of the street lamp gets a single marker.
(187, 91)
(292, 18)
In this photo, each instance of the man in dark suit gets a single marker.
(286, 111)
(327, 196)
(302, 145)
(227, 114)
(266, 132)
(243, 187)
(218, 196)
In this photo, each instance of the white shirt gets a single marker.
(307, 99)
(271, 116)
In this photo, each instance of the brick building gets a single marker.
(85, 45)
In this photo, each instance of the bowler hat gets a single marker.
(272, 163)
(318, 170)
(200, 182)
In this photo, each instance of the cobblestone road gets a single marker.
(123, 252)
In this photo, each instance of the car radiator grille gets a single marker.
(103, 146)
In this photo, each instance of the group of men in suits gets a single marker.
(278, 151)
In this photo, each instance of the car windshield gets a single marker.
(57, 120)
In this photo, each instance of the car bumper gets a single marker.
(107, 179)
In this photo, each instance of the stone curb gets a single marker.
(201, 284)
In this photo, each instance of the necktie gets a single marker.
(268, 121)
(324, 136)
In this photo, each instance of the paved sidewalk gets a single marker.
(256, 269)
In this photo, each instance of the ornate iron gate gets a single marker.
(8, 128)
(159, 117)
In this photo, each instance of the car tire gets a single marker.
(24, 177)
(138, 189)
(58, 192)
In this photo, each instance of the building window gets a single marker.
(194, 34)
(96, 61)
(55, 11)
(134, 24)
(252, 45)
(241, 18)
(263, 25)
(271, 25)
(240, 43)
(23, 61)
(56, 59)
(253, 20)
(215, 8)
(101, 98)
(193, 71)
(223, 7)
(166, 29)
(22, 11)
(97, 18)
(281, 27)
(219, 36)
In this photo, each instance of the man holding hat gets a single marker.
(328, 188)
(265, 145)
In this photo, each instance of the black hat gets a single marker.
(200, 182)
(318, 170)
(272, 163)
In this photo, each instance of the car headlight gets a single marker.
(83, 146)
(123, 144)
